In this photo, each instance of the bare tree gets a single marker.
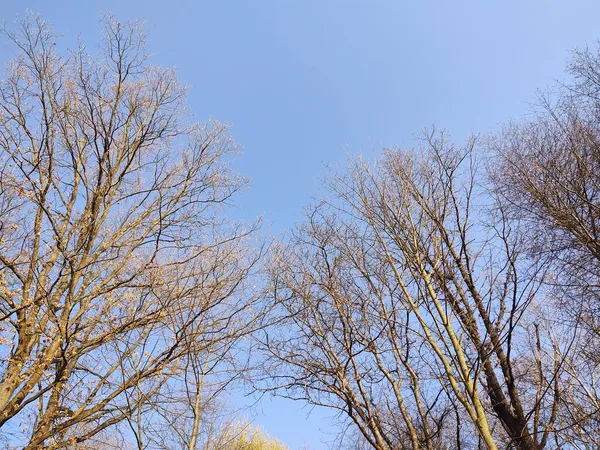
(547, 173)
(405, 304)
(117, 268)
(549, 177)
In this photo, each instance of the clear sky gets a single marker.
(304, 83)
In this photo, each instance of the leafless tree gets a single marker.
(118, 271)
(547, 173)
(549, 176)
(405, 304)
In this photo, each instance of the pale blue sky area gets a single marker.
(304, 83)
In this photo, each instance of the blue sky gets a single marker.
(305, 83)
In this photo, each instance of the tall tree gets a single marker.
(117, 266)
(405, 305)
(547, 173)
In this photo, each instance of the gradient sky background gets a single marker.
(305, 83)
